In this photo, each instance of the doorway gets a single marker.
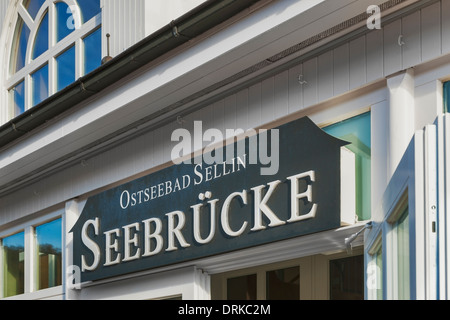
(319, 277)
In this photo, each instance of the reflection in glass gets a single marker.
(65, 68)
(283, 284)
(403, 256)
(18, 93)
(41, 40)
(40, 85)
(33, 6)
(242, 288)
(13, 265)
(356, 130)
(18, 53)
(89, 9)
(92, 51)
(347, 278)
(64, 21)
(49, 257)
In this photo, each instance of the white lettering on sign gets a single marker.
(201, 174)
(92, 246)
(152, 242)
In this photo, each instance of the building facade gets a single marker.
(117, 180)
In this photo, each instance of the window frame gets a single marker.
(75, 38)
(375, 251)
(392, 233)
(30, 250)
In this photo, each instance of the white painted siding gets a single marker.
(130, 21)
(345, 69)
(124, 21)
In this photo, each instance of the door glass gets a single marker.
(347, 278)
(283, 284)
(242, 288)
(49, 255)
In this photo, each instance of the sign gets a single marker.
(195, 210)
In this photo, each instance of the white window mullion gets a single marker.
(52, 76)
(30, 285)
(25, 16)
(52, 41)
(79, 58)
(28, 92)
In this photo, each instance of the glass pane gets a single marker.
(13, 265)
(18, 53)
(356, 130)
(41, 40)
(65, 68)
(33, 6)
(93, 51)
(283, 284)
(64, 21)
(18, 93)
(40, 85)
(403, 256)
(242, 288)
(347, 278)
(89, 9)
(49, 248)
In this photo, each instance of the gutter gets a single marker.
(205, 17)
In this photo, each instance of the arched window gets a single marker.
(54, 43)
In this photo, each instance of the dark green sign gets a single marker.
(199, 209)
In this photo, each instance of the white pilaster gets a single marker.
(401, 116)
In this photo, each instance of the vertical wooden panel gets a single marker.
(267, 100)
(158, 146)
(124, 21)
(445, 12)
(281, 94)
(374, 55)
(206, 116)
(254, 105)
(431, 32)
(119, 14)
(242, 110)
(167, 139)
(392, 50)
(411, 37)
(325, 72)
(229, 109)
(218, 115)
(310, 88)
(295, 90)
(341, 73)
(357, 50)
